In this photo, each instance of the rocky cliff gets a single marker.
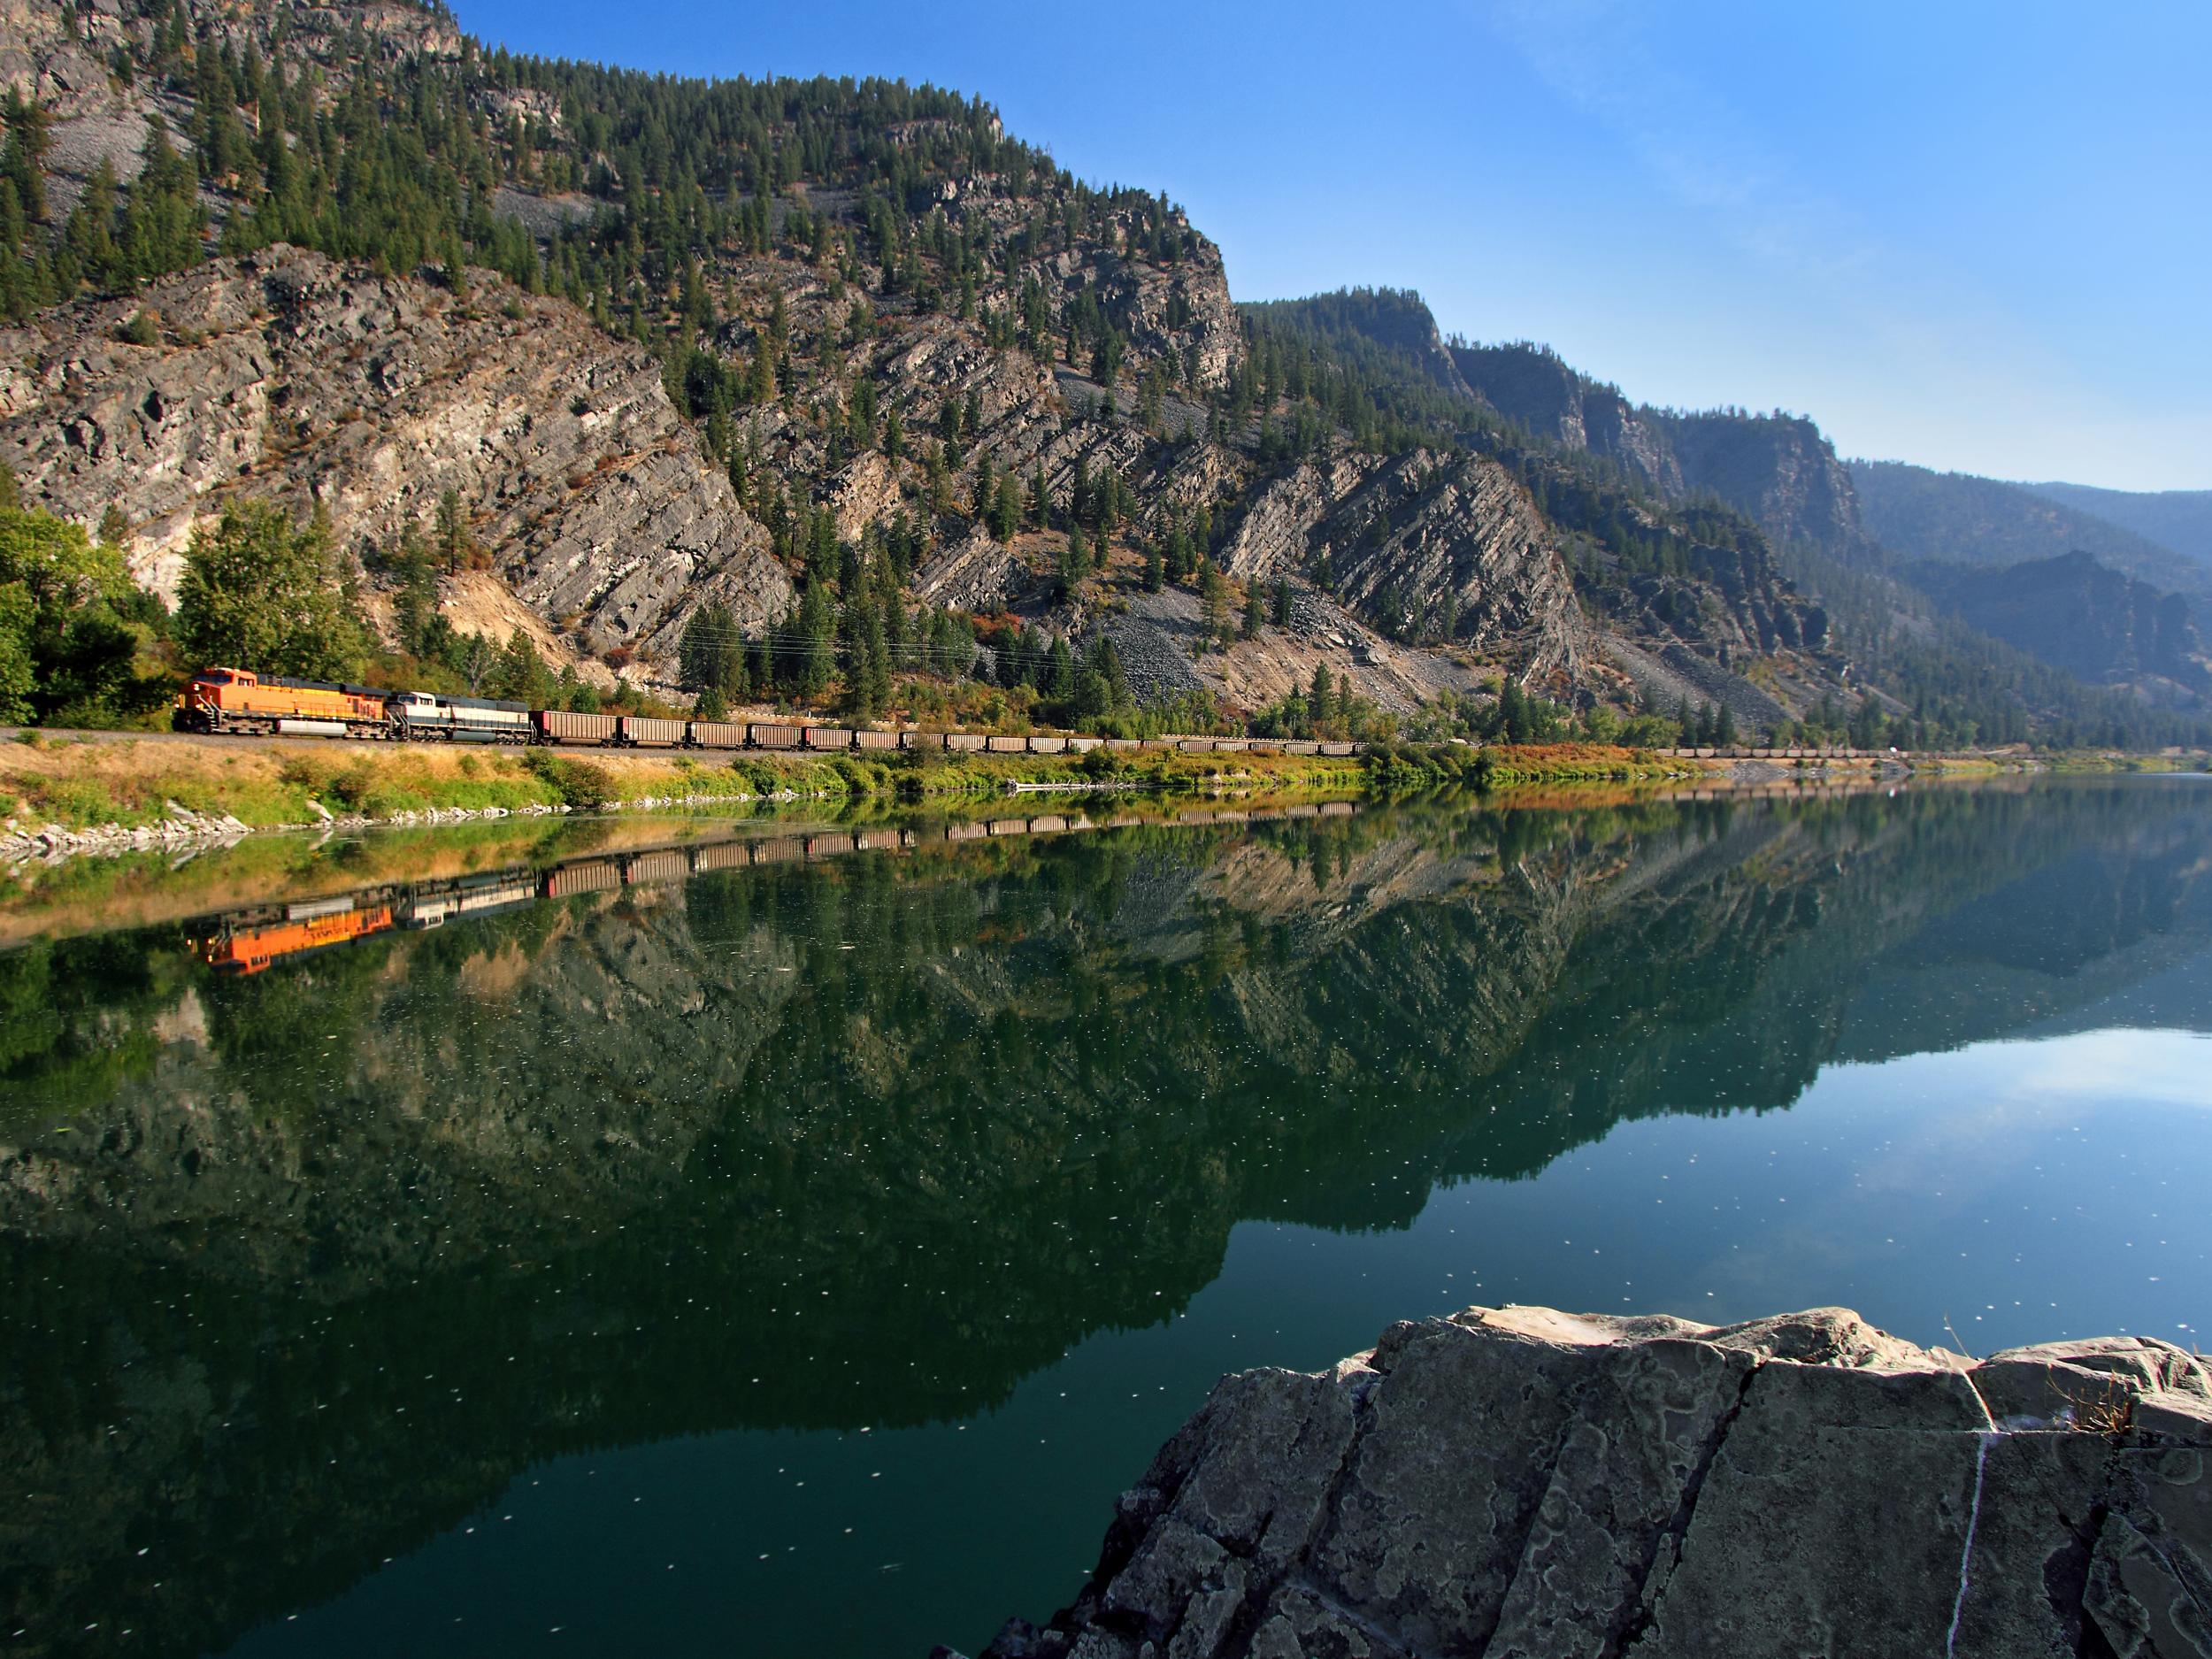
(1522, 1482)
(288, 375)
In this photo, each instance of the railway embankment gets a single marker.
(123, 793)
(1523, 1481)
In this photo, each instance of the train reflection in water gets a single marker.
(252, 940)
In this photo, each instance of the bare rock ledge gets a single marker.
(1517, 1481)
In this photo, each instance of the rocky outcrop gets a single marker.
(289, 376)
(1535, 389)
(1523, 1482)
(1435, 546)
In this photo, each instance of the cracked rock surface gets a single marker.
(1519, 1483)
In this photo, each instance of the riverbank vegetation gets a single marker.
(81, 782)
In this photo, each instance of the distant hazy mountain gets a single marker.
(2074, 613)
(2177, 519)
(1961, 519)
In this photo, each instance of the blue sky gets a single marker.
(1972, 235)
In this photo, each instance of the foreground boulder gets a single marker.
(1522, 1482)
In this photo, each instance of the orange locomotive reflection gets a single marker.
(307, 927)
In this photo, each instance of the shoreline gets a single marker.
(93, 794)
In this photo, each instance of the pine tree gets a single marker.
(1279, 612)
(1213, 598)
(1006, 508)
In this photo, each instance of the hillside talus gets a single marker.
(1523, 1482)
(287, 375)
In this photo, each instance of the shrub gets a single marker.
(579, 783)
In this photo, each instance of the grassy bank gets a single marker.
(82, 783)
(1505, 766)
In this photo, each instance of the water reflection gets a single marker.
(322, 1222)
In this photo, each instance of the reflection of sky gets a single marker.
(2024, 1190)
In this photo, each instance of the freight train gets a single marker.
(236, 701)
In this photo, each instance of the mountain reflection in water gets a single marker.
(321, 1223)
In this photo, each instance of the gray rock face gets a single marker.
(1453, 548)
(289, 376)
(1526, 1483)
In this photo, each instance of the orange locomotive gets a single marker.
(239, 700)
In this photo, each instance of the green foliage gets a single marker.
(68, 646)
(262, 594)
(711, 657)
(579, 783)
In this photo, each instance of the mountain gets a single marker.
(1962, 519)
(1778, 469)
(2180, 520)
(2073, 613)
(445, 273)
(583, 352)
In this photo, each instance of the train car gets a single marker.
(780, 849)
(1125, 743)
(997, 745)
(1195, 745)
(720, 855)
(1301, 746)
(773, 736)
(1160, 745)
(830, 844)
(864, 739)
(1085, 745)
(640, 731)
(237, 700)
(472, 896)
(1047, 824)
(593, 875)
(1042, 745)
(651, 869)
(560, 725)
(422, 716)
(932, 740)
(1337, 749)
(878, 840)
(715, 735)
(1232, 744)
(965, 743)
(829, 737)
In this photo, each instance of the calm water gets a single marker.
(795, 1258)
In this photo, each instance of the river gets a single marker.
(599, 1239)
